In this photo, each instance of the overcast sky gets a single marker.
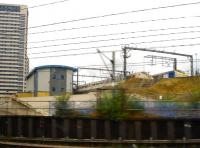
(76, 9)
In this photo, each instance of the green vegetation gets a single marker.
(135, 103)
(111, 105)
(117, 105)
(62, 106)
(195, 95)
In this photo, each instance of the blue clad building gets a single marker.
(50, 80)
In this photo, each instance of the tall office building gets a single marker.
(14, 64)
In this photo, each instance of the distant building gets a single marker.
(50, 80)
(14, 64)
(170, 74)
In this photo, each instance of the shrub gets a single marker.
(111, 105)
(195, 96)
(136, 104)
(62, 106)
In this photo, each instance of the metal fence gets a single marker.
(160, 108)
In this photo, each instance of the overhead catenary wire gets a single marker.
(116, 14)
(121, 33)
(180, 62)
(112, 39)
(46, 4)
(101, 67)
(40, 5)
(74, 54)
(113, 24)
(128, 64)
(140, 64)
(90, 53)
(134, 43)
(91, 76)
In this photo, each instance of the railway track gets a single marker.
(32, 145)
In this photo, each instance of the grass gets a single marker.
(174, 89)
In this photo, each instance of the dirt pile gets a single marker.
(177, 88)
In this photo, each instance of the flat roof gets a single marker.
(51, 66)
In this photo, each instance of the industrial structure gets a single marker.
(14, 64)
(50, 80)
(126, 49)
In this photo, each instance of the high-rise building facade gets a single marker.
(14, 64)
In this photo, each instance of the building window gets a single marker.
(62, 77)
(54, 76)
(53, 89)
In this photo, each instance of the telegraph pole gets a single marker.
(175, 64)
(196, 72)
(125, 62)
(77, 80)
(191, 65)
(113, 66)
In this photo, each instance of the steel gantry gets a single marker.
(126, 48)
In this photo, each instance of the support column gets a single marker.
(170, 130)
(122, 130)
(107, 130)
(19, 126)
(66, 128)
(187, 130)
(154, 131)
(9, 126)
(79, 129)
(138, 131)
(30, 127)
(93, 129)
(53, 127)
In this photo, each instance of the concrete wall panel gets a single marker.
(30, 84)
(69, 80)
(43, 80)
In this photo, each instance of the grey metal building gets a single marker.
(14, 62)
(50, 80)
